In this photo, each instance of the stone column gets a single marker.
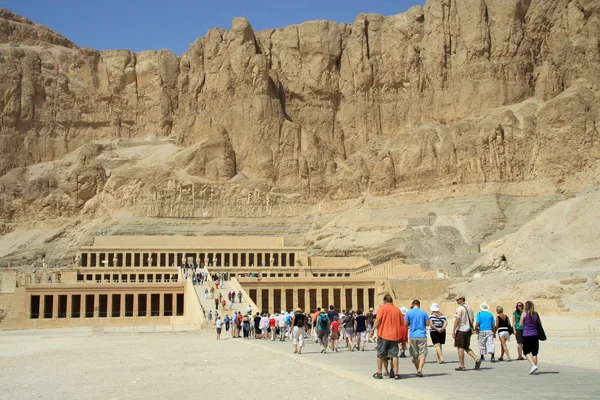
(174, 306)
(96, 305)
(319, 297)
(83, 306)
(306, 305)
(259, 298)
(294, 304)
(122, 310)
(42, 306)
(135, 304)
(342, 298)
(148, 304)
(97, 259)
(331, 300)
(54, 306)
(161, 305)
(366, 299)
(69, 305)
(354, 298)
(109, 305)
(271, 300)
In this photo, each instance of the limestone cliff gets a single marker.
(456, 98)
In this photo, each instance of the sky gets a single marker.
(152, 24)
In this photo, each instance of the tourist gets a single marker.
(485, 326)
(518, 329)
(226, 320)
(257, 331)
(273, 326)
(461, 332)
(387, 325)
(503, 328)
(530, 321)
(360, 326)
(249, 310)
(219, 324)
(206, 293)
(216, 303)
(264, 326)
(437, 330)
(240, 297)
(210, 315)
(235, 326)
(314, 324)
(332, 313)
(349, 329)
(322, 327)
(370, 319)
(282, 325)
(246, 326)
(335, 333)
(233, 297)
(403, 334)
(417, 320)
(298, 324)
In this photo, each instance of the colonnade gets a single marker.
(172, 259)
(105, 305)
(342, 298)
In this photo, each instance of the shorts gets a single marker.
(219, 331)
(437, 337)
(335, 335)
(462, 340)
(418, 347)
(349, 333)
(504, 334)
(361, 336)
(519, 335)
(531, 345)
(387, 348)
(369, 328)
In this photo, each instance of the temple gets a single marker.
(141, 280)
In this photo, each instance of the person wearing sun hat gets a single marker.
(485, 325)
(461, 332)
(437, 330)
(298, 322)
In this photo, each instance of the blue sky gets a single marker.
(175, 24)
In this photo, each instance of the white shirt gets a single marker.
(461, 313)
(281, 320)
(219, 323)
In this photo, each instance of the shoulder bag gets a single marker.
(540, 329)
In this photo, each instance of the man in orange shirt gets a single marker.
(315, 319)
(387, 324)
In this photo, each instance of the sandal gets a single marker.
(377, 375)
(460, 369)
(397, 377)
(386, 374)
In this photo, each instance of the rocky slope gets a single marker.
(423, 134)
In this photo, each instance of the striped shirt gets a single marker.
(436, 322)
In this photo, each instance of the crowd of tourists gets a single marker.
(395, 329)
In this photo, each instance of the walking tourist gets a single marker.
(219, 325)
(403, 334)
(226, 320)
(216, 303)
(240, 297)
(387, 325)
(314, 318)
(298, 323)
(335, 333)
(246, 326)
(370, 319)
(273, 326)
(417, 320)
(282, 325)
(206, 293)
(485, 326)
(530, 320)
(348, 326)
(437, 330)
(323, 327)
(461, 332)
(518, 329)
(504, 330)
(360, 326)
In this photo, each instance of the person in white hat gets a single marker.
(485, 325)
(437, 330)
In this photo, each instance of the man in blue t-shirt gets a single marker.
(485, 326)
(417, 321)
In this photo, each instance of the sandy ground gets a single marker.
(103, 364)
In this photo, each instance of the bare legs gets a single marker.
(504, 348)
(461, 356)
(438, 350)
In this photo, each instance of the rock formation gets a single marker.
(455, 99)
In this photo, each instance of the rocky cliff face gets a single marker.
(453, 98)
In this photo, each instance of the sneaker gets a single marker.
(533, 370)
(482, 359)
(402, 355)
(493, 359)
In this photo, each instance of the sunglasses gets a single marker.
(519, 305)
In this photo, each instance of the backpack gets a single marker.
(323, 321)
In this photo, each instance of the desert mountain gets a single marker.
(428, 134)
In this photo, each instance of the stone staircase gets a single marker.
(209, 304)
